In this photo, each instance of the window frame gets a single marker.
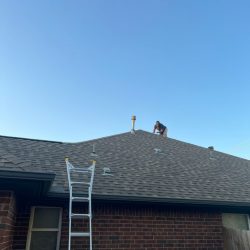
(247, 217)
(31, 229)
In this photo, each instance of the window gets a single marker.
(44, 228)
(236, 221)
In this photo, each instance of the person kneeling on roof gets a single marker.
(161, 129)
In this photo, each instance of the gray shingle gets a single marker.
(180, 171)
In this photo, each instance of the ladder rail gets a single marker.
(90, 205)
(91, 169)
(70, 199)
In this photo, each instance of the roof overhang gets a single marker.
(225, 206)
(222, 205)
(26, 183)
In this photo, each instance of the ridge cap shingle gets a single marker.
(28, 139)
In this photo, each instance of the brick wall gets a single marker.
(134, 227)
(22, 226)
(7, 219)
(150, 228)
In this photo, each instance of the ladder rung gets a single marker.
(79, 215)
(79, 182)
(80, 170)
(80, 199)
(80, 234)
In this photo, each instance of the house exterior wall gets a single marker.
(22, 225)
(136, 227)
(7, 219)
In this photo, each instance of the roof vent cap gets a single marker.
(107, 171)
(157, 150)
(94, 154)
(133, 119)
(211, 152)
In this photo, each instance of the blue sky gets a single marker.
(76, 70)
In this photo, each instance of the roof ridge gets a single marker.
(31, 139)
(100, 138)
(198, 146)
(28, 139)
(203, 147)
(118, 135)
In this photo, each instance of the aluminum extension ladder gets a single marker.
(87, 185)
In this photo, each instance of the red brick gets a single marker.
(120, 227)
(7, 219)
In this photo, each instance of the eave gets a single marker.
(27, 184)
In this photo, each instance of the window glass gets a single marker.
(235, 221)
(44, 231)
(43, 241)
(46, 218)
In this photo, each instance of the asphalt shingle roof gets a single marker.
(142, 165)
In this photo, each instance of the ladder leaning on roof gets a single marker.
(89, 172)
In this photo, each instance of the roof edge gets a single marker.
(174, 201)
(29, 139)
(101, 138)
(39, 176)
(155, 200)
(27, 183)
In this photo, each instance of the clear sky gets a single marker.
(77, 70)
